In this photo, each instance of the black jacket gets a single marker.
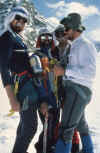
(12, 60)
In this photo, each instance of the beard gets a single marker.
(46, 45)
(17, 28)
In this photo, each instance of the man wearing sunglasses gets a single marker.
(78, 77)
(17, 74)
(45, 43)
(61, 52)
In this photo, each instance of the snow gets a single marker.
(8, 125)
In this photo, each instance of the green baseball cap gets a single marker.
(73, 21)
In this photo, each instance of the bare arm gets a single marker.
(15, 106)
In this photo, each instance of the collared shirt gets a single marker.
(81, 68)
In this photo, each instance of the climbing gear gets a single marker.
(35, 63)
(17, 86)
(45, 135)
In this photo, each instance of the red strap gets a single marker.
(75, 137)
(23, 73)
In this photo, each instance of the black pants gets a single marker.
(26, 130)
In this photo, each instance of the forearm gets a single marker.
(15, 106)
(10, 94)
(6, 76)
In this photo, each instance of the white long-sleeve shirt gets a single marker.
(81, 68)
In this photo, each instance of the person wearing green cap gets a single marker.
(60, 52)
(78, 77)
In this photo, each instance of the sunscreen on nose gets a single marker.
(18, 25)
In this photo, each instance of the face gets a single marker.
(46, 39)
(18, 24)
(59, 36)
(69, 33)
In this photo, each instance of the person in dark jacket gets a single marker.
(17, 77)
(45, 44)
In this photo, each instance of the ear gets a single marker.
(38, 42)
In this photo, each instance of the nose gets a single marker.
(47, 38)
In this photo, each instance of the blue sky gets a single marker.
(55, 10)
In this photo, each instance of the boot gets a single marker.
(62, 147)
(75, 148)
(75, 142)
(87, 144)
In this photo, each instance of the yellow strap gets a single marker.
(11, 112)
(16, 87)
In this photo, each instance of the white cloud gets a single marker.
(82, 9)
(95, 34)
(53, 20)
(56, 5)
(62, 9)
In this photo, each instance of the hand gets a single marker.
(58, 70)
(44, 109)
(15, 106)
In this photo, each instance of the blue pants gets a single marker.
(73, 116)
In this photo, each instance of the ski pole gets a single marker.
(45, 135)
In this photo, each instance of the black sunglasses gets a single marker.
(46, 37)
(59, 34)
(67, 29)
(18, 17)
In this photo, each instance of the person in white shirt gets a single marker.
(78, 77)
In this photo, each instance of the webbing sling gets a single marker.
(17, 87)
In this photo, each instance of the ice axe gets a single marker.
(45, 135)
